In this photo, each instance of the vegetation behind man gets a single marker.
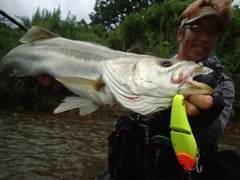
(151, 26)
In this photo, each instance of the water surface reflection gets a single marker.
(59, 148)
(52, 148)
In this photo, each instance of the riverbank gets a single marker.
(73, 114)
(231, 128)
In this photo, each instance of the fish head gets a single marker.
(183, 77)
(170, 74)
(181, 71)
(147, 84)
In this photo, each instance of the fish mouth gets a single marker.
(185, 75)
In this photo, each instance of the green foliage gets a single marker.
(8, 38)
(111, 13)
(152, 26)
(68, 28)
(26, 93)
(228, 51)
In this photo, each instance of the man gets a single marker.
(202, 24)
(201, 28)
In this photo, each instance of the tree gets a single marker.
(112, 12)
(154, 28)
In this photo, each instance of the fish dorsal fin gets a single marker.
(36, 33)
(81, 83)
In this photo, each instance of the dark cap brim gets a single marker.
(220, 19)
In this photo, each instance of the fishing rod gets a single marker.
(5, 15)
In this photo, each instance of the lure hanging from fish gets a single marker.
(183, 141)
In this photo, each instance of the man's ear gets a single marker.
(180, 34)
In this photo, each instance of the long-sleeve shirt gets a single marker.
(211, 134)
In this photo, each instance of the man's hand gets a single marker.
(50, 82)
(195, 103)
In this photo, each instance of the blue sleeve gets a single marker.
(228, 92)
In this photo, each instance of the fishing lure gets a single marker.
(183, 141)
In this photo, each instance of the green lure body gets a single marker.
(183, 141)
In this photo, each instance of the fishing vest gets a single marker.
(139, 150)
(140, 147)
(137, 147)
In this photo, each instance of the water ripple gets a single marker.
(43, 148)
(56, 148)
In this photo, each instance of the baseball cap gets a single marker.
(202, 12)
(221, 10)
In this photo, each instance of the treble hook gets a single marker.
(180, 85)
(197, 167)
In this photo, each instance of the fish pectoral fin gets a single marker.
(36, 33)
(88, 109)
(70, 103)
(81, 83)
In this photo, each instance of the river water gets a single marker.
(45, 147)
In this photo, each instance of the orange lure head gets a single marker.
(186, 161)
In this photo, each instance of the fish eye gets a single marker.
(166, 63)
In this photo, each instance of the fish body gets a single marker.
(101, 76)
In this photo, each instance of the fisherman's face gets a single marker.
(198, 39)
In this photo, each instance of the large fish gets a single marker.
(101, 76)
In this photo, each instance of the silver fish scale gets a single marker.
(138, 83)
(56, 57)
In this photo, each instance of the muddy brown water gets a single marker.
(41, 147)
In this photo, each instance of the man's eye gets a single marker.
(214, 31)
